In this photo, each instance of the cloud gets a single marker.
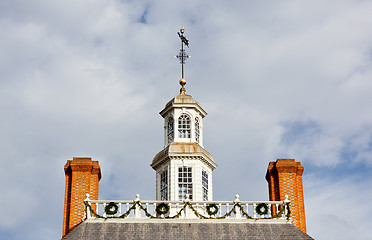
(88, 78)
(335, 208)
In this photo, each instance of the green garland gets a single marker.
(209, 211)
(281, 212)
(111, 208)
(228, 214)
(259, 209)
(87, 205)
(243, 212)
(162, 208)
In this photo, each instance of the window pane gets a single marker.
(164, 185)
(197, 131)
(170, 130)
(205, 185)
(184, 126)
(184, 182)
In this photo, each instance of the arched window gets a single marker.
(170, 130)
(197, 130)
(184, 126)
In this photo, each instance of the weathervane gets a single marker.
(182, 57)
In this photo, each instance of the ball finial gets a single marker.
(183, 83)
(182, 30)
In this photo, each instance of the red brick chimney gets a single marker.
(285, 178)
(82, 177)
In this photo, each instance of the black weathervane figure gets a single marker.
(182, 56)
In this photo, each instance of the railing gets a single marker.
(187, 209)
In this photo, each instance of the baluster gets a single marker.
(104, 210)
(269, 212)
(119, 209)
(170, 207)
(137, 213)
(127, 207)
(203, 210)
(254, 210)
(147, 207)
(220, 209)
(227, 210)
(246, 208)
(277, 208)
(186, 209)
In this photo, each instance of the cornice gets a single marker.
(191, 151)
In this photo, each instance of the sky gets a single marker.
(279, 79)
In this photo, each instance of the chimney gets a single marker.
(82, 177)
(285, 178)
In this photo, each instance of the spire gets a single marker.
(182, 56)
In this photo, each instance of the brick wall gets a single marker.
(285, 178)
(82, 177)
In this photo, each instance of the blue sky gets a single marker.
(288, 79)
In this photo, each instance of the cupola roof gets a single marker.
(177, 149)
(183, 100)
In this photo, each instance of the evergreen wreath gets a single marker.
(265, 209)
(162, 208)
(209, 208)
(111, 208)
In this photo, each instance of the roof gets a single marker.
(185, 230)
(180, 149)
(183, 100)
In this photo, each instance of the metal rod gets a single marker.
(183, 58)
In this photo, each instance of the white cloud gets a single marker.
(89, 78)
(337, 209)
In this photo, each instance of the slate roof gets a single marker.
(184, 230)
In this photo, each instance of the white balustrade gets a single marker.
(137, 209)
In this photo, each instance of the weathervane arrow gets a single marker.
(183, 39)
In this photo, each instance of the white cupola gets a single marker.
(183, 168)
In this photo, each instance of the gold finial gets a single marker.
(183, 83)
(182, 30)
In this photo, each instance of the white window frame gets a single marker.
(197, 130)
(185, 182)
(184, 126)
(205, 185)
(164, 185)
(170, 130)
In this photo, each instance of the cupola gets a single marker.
(183, 168)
